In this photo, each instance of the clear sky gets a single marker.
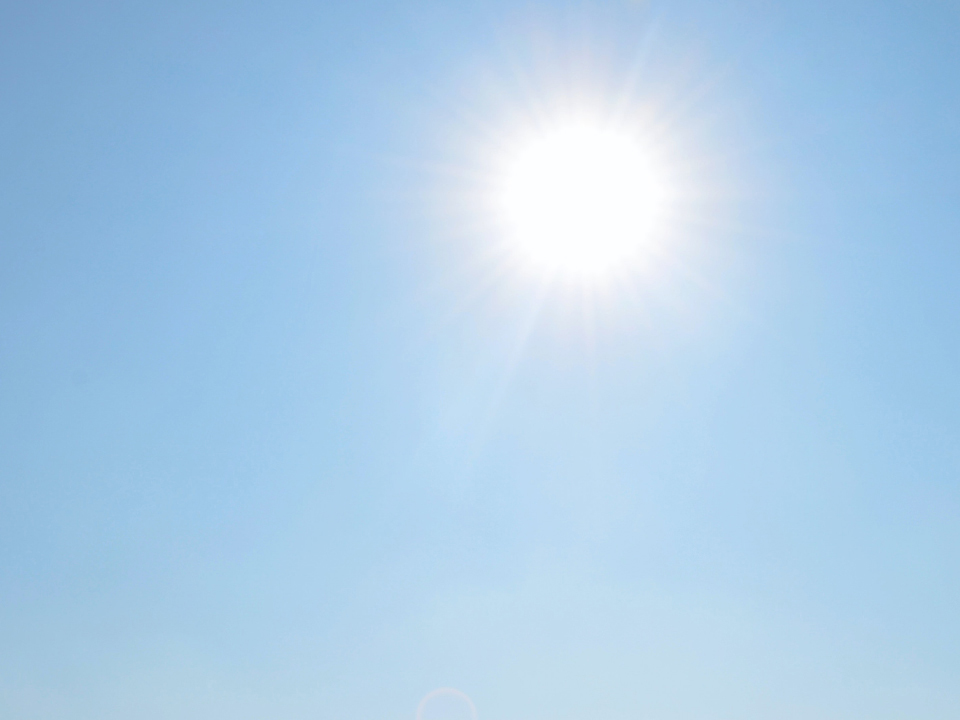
(286, 433)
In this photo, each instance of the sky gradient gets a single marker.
(281, 436)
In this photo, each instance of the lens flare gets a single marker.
(446, 704)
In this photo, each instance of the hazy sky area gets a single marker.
(284, 435)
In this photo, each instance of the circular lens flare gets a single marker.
(580, 199)
(446, 704)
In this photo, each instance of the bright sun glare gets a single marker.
(580, 199)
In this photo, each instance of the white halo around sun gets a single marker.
(581, 198)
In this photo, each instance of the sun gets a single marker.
(580, 199)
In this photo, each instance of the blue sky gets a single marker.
(278, 440)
